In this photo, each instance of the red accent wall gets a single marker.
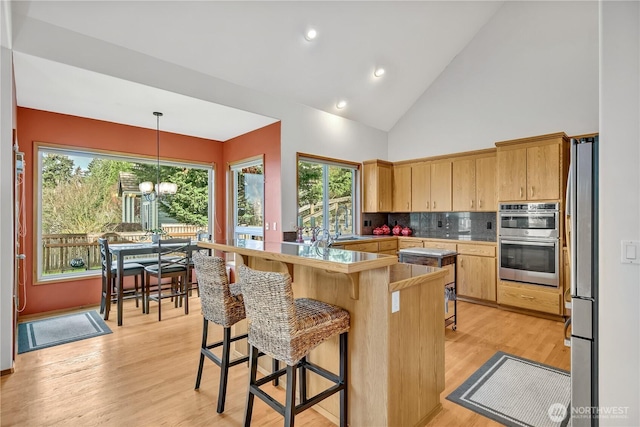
(41, 126)
(264, 141)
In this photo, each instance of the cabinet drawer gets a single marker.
(529, 297)
(480, 250)
(393, 252)
(387, 245)
(440, 245)
(409, 243)
(363, 247)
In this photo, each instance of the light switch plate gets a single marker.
(395, 301)
(630, 252)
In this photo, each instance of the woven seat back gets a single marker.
(218, 305)
(268, 300)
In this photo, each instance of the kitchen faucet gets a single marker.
(346, 219)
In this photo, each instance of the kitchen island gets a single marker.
(396, 351)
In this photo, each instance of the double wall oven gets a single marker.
(529, 243)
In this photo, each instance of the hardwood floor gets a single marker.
(144, 372)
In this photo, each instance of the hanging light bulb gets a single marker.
(150, 191)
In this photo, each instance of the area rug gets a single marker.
(60, 330)
(517, 392)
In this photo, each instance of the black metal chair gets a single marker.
(109, 277)
(173, 256)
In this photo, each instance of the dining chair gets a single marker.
(110, 275)
(173, 263)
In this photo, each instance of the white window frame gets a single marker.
(233, 229)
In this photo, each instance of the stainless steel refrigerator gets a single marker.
(582, 213)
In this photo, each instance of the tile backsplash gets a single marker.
(479, 225)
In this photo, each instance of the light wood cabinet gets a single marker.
(409, 242)
(532, 168)
(474, 184)
(421, 187)
(529, 297)
(476, 271)
(486, 188)
(402, 188)
(441, 186)
(464, 185)
(376, 186)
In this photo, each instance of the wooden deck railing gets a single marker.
(63, 253)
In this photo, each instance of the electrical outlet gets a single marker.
(395, 301)
(489, 226)
(275, 226)
(266, 226)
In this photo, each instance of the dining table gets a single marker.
(124, 250)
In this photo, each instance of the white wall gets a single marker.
(619, 299)
(532, 70)
(6, 191)
(303, 128)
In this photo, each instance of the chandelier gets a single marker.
(149, 190)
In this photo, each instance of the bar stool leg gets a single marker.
(290, 407)
(303, 380)
(275, 367)
(205, 332)
(224, 369)
(253, 371)
(344, 342)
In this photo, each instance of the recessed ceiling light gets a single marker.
(378, 72)
(341, 104)
(310, 34)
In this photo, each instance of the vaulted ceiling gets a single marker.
(259, 45)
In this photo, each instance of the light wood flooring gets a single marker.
(143, 373)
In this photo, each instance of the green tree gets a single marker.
(80, 205)
(190, 204)
(56, 169)
(309, 183)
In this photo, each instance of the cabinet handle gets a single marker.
(520, 191)
(428, 204)
(407, 205)
(527, 297)
(471, 203)
(480, 203)
(533, 191)
(434, 204)
(461, 263)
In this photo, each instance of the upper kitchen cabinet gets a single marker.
(421, 187)
(377, 176)
(474, 183)
(402, 188)
(532, 168)
(441, 186)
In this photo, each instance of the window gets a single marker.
(85, 195)
(248, 199)
(327, 194)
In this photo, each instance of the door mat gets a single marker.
(58, 330)
(517, 392)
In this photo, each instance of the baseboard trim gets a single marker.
(7, 371)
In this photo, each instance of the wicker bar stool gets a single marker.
(287, 330)
(221, 304)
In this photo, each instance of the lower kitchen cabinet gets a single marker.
(476, 271)
(530, 297)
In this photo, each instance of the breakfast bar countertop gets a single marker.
(330, 259)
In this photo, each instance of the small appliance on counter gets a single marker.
(443, 258)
